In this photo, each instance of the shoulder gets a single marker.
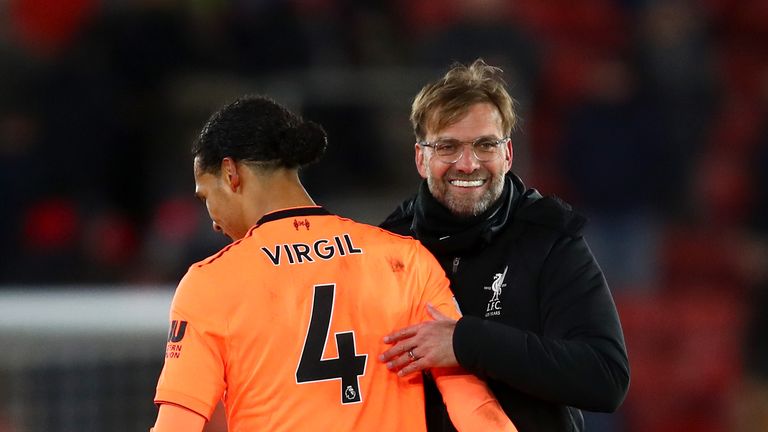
(196, 296)
(399, 221)
(228, 252)
(550, 212)
(216, 277)
(403, 252)
(383, 236)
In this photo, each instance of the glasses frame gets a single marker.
(474, 142)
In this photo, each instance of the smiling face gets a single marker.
(223, 204)
(467, 187)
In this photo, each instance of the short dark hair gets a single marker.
(256, 129)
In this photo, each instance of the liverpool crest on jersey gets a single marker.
(493, 308)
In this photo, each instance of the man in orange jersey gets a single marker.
(285, 324)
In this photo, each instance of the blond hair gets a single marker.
(444, 102)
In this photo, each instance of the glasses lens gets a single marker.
(486, 149)
(448, 149)
(451, 150)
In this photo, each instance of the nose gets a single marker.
(467, 163)
(216, 226)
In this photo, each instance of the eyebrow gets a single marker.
(491, 136)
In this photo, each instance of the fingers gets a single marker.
(400, 350)
(399, 362)
(398, 356)
(401, 334)
(415, 366)
(407, 363)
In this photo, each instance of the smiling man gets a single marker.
(467, 185)
(539, 324)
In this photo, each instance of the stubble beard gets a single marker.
(464, 206)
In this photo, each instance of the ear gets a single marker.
(420, 160)
(229, 171)
(509, 155)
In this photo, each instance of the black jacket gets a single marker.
(539, 322)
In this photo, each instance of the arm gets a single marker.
(577, 359)
(193, 375)
(173, 418)
(430, 342)
(471, 405)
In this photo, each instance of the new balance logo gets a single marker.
(178, 328)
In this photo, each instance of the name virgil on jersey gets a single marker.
(300, 253)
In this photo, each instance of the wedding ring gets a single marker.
(410, 354)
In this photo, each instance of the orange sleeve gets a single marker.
(194, 373)
(173, 418)
(471, 405)
(436, 287)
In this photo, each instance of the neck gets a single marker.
(277, 190)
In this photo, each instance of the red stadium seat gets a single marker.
(684, 352)
(695, 259)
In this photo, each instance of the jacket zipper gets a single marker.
(456, 264)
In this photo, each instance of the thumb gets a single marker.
(436, 314)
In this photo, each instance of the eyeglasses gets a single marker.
(450, 150)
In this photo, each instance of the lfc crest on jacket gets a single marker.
(493, 308)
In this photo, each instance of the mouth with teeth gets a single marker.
(467, 183)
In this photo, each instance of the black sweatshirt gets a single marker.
(540, 325)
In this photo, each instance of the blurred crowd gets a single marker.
(651, 116)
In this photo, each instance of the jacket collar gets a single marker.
(442, 232)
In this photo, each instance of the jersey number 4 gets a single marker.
(347, 367)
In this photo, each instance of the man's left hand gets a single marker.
(421, 346)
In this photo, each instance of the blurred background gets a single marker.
(651, 117)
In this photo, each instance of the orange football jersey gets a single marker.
(286, 325)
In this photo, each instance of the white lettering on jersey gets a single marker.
(300, 253)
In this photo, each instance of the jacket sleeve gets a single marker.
(578, 359)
